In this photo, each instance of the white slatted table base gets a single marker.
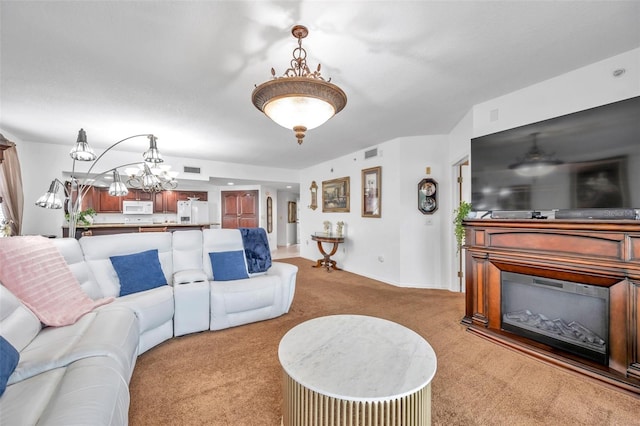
(305, 407)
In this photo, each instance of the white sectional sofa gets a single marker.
(78, 374)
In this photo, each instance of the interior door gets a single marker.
(239, 209)
(463, 193)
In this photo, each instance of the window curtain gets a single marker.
(11, 187)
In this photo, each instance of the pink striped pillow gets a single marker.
(36, 273)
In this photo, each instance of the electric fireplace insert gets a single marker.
(569, 316)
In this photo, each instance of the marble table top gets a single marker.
(357, 358)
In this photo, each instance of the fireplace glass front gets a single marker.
(569, 316)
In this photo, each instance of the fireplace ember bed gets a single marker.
(566, 292)
(569, 316)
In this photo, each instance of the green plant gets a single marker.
(459, 215)
(83, 216)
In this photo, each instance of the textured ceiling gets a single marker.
(184, 70)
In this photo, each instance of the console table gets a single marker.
(326, 260)
(356, 370)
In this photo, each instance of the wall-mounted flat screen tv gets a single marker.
(585, 160)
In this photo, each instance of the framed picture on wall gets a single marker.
(335, 195)
(600, 183)
(371, 193)
(292, 212)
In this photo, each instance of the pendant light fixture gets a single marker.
(535, 162)
(299, 100)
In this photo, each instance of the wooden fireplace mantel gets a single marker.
(595, 252)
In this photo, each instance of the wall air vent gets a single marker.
(371, 153)
(195, 170)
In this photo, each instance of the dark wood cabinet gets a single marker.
(185, 195)
(89, 197)
(595, 253)
(165, 202)
(138, 195)
(107, 203)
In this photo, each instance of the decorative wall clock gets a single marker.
(427, 196)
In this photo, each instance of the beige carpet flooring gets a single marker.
(232, 377)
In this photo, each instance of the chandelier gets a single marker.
(151, 179)
(149, 175)
(535, 162)
(299, 100)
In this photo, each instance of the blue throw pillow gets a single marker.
(138, 272)
(228, 265)
(9, 358)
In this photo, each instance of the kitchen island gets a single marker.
(124, 228)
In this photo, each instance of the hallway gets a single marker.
(283, 252)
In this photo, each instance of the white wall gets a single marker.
(581, 89)
(42, 162)
(403, 247)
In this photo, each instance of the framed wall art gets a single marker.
(292, 212)
(335, 195)
(371, 192)
(269, 215)
(600, 183)
(314, 195)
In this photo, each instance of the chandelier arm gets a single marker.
(87, 187)
(113, 146)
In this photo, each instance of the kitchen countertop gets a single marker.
(139, 224)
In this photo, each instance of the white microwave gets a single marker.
(137, 207)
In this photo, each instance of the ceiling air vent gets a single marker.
(195, 170)
(371, 153)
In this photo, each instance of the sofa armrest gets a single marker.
(287, 274)
(191, 299)
(189, 276)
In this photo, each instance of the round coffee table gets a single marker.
(356, 370)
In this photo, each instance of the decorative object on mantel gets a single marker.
(75, 190)
(427, 196)
(299, 100)
(535, 162)
(340, 228)
(460, 214)
(314, 195)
